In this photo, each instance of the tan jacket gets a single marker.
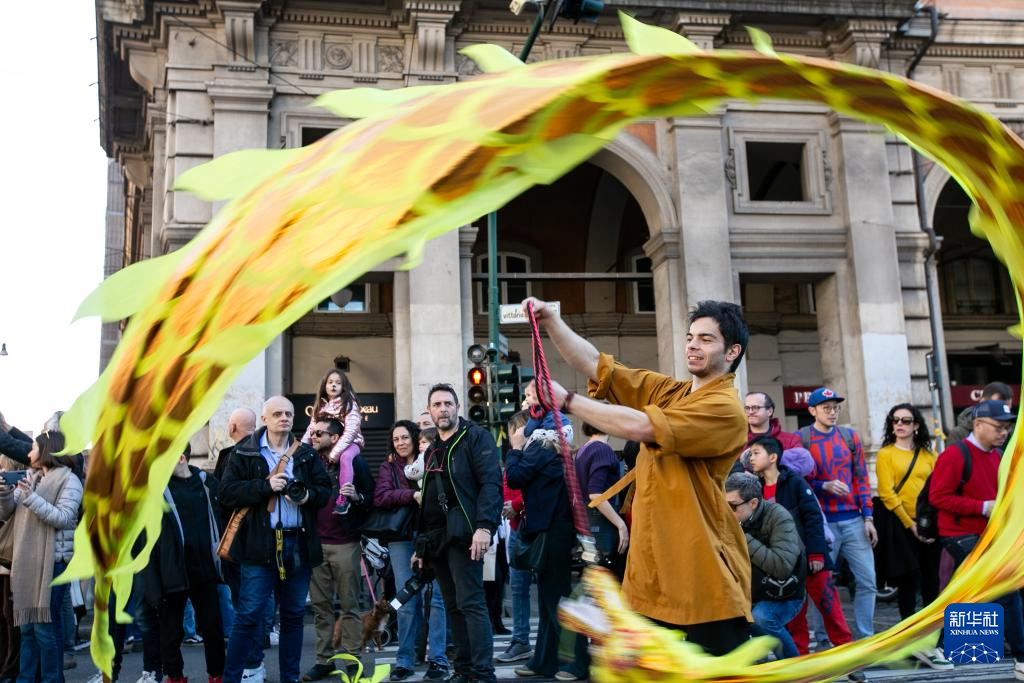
(688, 560)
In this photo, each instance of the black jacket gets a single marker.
(245, 485)
(776, 552)
(794, 493)
(167, 571)
(472, 468)
(15, 445)
(538, 472)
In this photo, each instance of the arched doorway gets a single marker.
(977, 302)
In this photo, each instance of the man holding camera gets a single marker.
(277, 543)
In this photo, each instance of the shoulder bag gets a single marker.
(391, 524)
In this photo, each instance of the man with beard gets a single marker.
(683, 533)
(462, 501)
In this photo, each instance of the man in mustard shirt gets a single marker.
(688, 564)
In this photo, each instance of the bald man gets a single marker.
(241, 423)
(276, 549)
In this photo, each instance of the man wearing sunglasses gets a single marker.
(964, 486)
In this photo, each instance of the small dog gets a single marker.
(374, 623)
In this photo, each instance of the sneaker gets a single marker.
(856, 676)
(147, 677)
(274, 638)
(566, 676)
(341, 507)
(1018, 669)
(516, 652)
(318, 672)
(193, 640)
(95, 678)
(933, 658)
(525, 672)
(400, 673)
(256, 675)
(437, 672)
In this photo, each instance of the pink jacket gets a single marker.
(353, 423)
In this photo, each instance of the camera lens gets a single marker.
(296, 490)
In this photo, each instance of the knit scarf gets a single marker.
(32, 565)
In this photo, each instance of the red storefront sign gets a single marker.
(963, 395)
(968, 394)
(796, 397)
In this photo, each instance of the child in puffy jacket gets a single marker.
(336, 399)
(541, 425)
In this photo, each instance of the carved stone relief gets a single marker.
(466, 66)
(337, 56)
(390, 59)
(283, 52)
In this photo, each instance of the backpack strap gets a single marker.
(965, 472)
(805, 437)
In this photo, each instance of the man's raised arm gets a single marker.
(577, 351)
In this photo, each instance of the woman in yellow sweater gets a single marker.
(903, 465)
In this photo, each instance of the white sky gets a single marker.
(53, 193)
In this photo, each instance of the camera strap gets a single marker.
(278, 469)
(279, 550)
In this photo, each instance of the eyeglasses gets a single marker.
(998, 426)
(752, 409)
(737, 506)
(830, 408)
(903, 420)
(319, 432)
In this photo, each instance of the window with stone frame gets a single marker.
(643, 290)
(360, 302)
(509, 291)
(779, 171)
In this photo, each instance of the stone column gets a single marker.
(240, 96)
(701, 27)
(467, 238)
(703, 191)
(433, 54)
(877, 365)
(670, 301)
(429, 336)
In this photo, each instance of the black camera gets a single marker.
(296, 490)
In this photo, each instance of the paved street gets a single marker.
(885, 616)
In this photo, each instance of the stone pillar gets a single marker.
(467, 238)
(701, 27)
(703, 191)
(433, 54)
(878, 373)
(239, 97)
(428, 326)
(670, 301)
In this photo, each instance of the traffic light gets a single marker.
(506, 392)
(478, 408)
(587, 10)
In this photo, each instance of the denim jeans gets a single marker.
(519, 581)
(258, 582)
(410, 616)
(189, 622)
(852, 543)
(227, 610)
(462, 585)
(42, 645)
(770, 619)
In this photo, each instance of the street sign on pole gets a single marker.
(513, 313)
(502, 344)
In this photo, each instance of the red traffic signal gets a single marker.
(476, 376)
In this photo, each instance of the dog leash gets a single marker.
(366, 575)
(546, 397)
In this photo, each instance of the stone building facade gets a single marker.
(807, 217)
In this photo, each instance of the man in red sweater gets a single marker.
(964, 509)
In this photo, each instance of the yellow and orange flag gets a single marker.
(303, 223)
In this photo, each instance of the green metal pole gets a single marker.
(492, 218)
